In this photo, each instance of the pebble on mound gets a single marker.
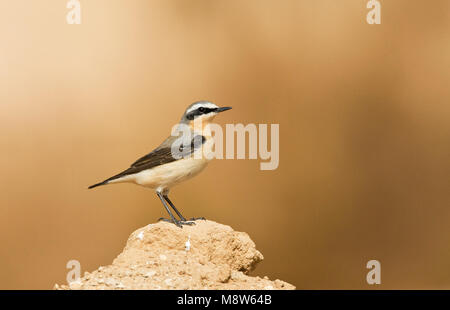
(162, 256)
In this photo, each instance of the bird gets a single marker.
(178, 158)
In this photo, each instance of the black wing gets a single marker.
(158, 157)
(162, 156)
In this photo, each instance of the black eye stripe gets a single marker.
(207, 110)
(199, 111)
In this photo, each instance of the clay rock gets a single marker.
(207, 255)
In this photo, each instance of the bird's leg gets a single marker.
(173, 207)
(172, 218)
(166, 197)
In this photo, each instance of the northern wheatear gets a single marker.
(176, 159)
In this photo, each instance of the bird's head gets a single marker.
(203, 111)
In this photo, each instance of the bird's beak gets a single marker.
(218, 110)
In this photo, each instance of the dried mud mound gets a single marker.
(162, 256)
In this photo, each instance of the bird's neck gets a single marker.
(201, 127)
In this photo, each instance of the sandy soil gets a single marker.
(162, 256)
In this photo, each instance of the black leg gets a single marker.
(179, 213)
(173, 207)
(172, 218)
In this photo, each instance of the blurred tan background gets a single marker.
(364, 114)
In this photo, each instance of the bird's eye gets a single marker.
(202, 109)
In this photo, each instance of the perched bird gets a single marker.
(178, 158)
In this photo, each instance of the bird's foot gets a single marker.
(177, 222)
(197, 219)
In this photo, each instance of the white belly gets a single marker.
(168, 175)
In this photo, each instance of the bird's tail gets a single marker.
(99, 184)
(113, 179)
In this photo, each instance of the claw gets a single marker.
(177, 222)
(197, 219)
